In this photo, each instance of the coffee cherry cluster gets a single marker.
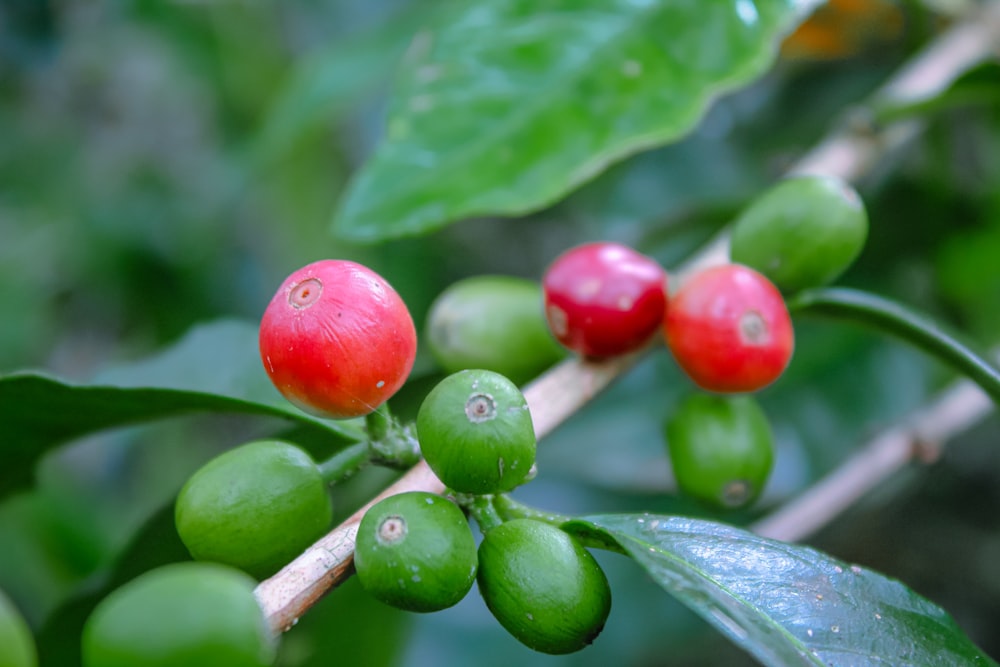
(415, 551)
(337, 341)
(726, 326)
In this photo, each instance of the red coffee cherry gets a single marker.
(729, 329)
(337, 340)
(604, 299)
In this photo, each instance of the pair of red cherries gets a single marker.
(727, 326)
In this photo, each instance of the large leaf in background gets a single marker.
(510, 104)
(328, 82)
(214, 368)
(783, 603)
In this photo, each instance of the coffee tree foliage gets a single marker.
(164, 165)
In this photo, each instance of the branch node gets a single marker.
(926, 451)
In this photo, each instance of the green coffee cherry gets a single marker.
(17, 646)
(492, 322)
(415, 551)
(543, 586)
(803, 232)
(476, 434)
(721, 449)
(255, 507)
(190, 614)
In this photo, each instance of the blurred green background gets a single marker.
(164, 164)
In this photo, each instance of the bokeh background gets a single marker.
(167, 164)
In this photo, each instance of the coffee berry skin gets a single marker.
(190, 614)
(604, 299)
(543, 586)
(803, 232)
(337, 340)
(721, 449)
(495, 323)
(729, 330)
(476, 433)
(415, 551)
(254, 507)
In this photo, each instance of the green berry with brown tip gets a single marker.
(415, 551)
(721, 449)
(476, 434)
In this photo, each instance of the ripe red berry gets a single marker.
(604, 299)
(337, 340)
(729, 329)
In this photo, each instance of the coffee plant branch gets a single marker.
(552, 398)
(849, 152)
(918, 438)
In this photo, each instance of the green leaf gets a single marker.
(511, 104)
(786, 604)
(214, 368)
(898, 320)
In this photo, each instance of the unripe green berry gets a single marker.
(415, 551)
(17, 646)
(543, 586)
(190, 614)
(721, 449)
(492, 322)
(476, 434)
(803, 232)
(255, 507)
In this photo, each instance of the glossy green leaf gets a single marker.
(786, 604)
(214, 368)
(509, 105)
